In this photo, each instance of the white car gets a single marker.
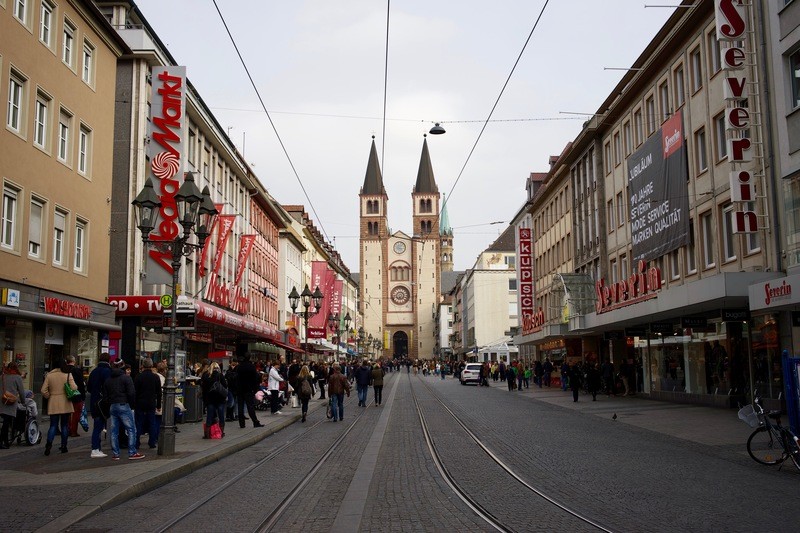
(471, 372)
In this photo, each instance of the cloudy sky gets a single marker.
(319, 68)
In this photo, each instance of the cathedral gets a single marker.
(400, 274)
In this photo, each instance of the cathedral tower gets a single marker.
(446, 237)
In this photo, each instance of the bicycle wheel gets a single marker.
(764, 447)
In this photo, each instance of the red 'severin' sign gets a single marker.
(640, 286)
(527, 300)
(165, 150)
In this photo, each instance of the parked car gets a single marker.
(471, 373)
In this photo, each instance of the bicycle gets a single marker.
(771, 443)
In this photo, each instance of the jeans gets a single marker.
(362, 394)
(121, 414)
(337, 406)
(215, 411)
(321, 385)
(378, 393)
(97, 428)
(304, 405)
(150, 416)
(60, 422)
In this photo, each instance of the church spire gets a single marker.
(444, 222)
(373, 180)
(425, 181)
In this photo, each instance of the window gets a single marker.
(638, 126)
(512, 284)
(720, 143)
(650, 109)
(617, 149)
(84, 150)
(626, 129)
(751, 239)
(8, 234)
(700, 152)
(675, 264)
(623, 267)
(663, 101)
(621, 216)
(40, 120)
(16, 96)
(88, 62)
(728, 239)
(46, 23)
(614, 271)
(691, 260)
(59, 227)
(68, 46)
(609, 164)
(80, 246)
(714, 53)
(707, 227)
(35, 229)
(680, 94)
(21, 10)
(610, 210)
(794, 68)
(64, 123)
(697, 69)
(511, 261)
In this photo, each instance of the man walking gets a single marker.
(363, 375)
(148, 400)
(337, 387)
(97, 378)
(120, 393)
(247, 382)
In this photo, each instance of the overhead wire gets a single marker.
(274, 128)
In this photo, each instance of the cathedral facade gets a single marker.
(401, 274)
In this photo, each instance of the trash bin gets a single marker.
(192, 402)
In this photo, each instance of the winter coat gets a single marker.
(148, 391)
(77, 375)
(206, 382)
(231, 377)
(119, 388)
(363, 375)
(377, 377)
(12, 384)
(275, 379)
(247, 379)
(94, 386)
(338, 384)
(53, 390)
(299, 389)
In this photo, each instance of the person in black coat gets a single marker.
(148, 399)
(77, 403)
(231, 376)
(94, 386)
(247, 382)
(215, 402)
(593, 380)
(575, 380)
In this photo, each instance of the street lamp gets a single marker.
(378, 345)
(361, 336)
(308, 298)
(335, 325)
(195, 211)
(369, 345)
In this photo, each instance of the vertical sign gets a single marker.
(165, 152)
(525, 290)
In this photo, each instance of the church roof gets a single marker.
(425, 181)
(448, 281)
(444, 221)
(373, 180)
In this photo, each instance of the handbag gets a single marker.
(219, 389)
(73, 395)
(9, 398)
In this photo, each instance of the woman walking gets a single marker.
(12, 384)
(377, 382)
(214, 400)
(305, 389)
(58, 405)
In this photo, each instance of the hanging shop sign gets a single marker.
(642, 285)
(525, 292)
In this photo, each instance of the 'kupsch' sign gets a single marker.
(527, 301)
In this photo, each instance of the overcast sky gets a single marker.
(319, 68)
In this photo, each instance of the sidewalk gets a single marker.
(28, 468)
(711, 426)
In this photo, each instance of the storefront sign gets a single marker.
(11, 297)
(165, 152)
(665, 328)
(613, 335)
(775, 293)
(694, 322)
(734, 315)
(636, 332)
(57, 306)
(525, 292)
(639, 287)
(533, 323)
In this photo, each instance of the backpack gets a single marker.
(305, 389)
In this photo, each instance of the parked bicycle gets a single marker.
(770, 443)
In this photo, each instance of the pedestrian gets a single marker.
(121, 394)
(77, 401)
(520, 372)
(230, 378)
(305, 389)
(624, 370)
(608, 377)
(13, 393)
(338, 386)
(564, 375)
(548, 371)
(94, 386)
(148, 398)
(59, 408)
(538, 373)
(363, 375)
(247, 383)
(575, 380)
(291, 376)
(214, 398)
(526, 376)
(593, 380)
(511, 378)
(377, 383)
(322, 378)
(274, 387)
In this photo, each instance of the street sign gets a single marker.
(166, 300)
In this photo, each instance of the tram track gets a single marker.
(481, 510)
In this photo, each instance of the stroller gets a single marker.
(26, 424)
(262, 399)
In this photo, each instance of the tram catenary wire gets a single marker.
(480, 510)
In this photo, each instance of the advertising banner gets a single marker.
(201, 263)
(336, 298)
(245, 247)
(165, 152)
(319, 273)
(525, 292)
(659, 198)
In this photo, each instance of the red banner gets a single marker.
(336, 298)
(201, 264)
(245, 247)
(319, 272)
(225, 227)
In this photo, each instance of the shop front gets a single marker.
(40, 328)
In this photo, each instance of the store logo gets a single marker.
(784, 290)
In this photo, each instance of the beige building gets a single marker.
(401, 274)
(58, 63)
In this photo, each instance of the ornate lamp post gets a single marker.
(195, 211)
(378, 345)
(335, 325)
(361, 337)
(308, 298)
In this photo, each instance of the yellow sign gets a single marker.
(178, 289)
(166, 300)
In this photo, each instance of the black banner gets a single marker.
(659, 199)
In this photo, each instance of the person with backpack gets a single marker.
(305, 389)
(94, 386)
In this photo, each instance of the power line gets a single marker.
(275, 129)
(385, 84)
